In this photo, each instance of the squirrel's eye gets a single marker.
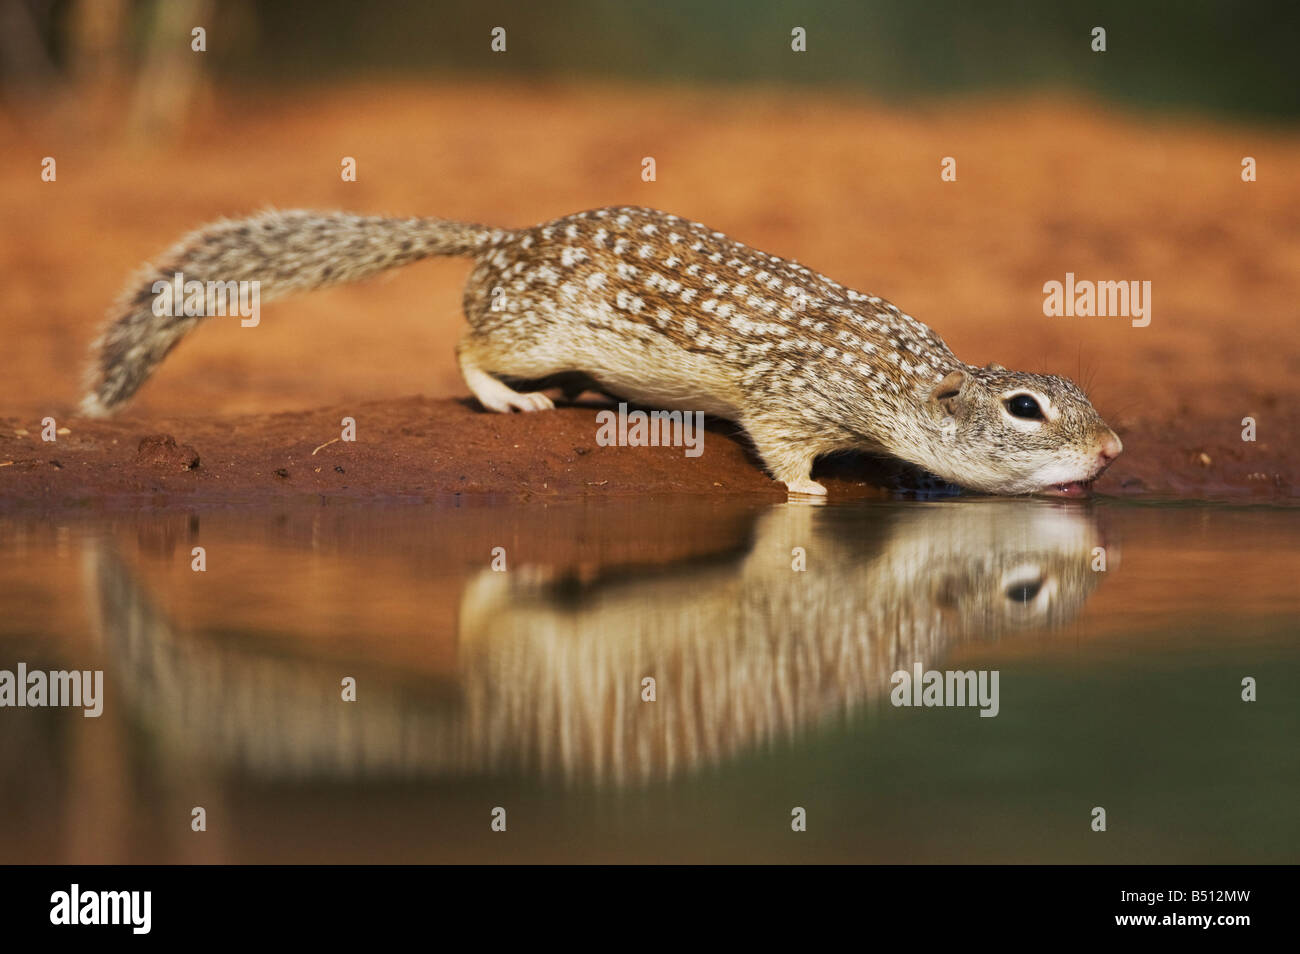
(1022, 405)
(1024, 592)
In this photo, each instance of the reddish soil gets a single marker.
(420, 447)
(845, 185)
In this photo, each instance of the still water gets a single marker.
(656, 680)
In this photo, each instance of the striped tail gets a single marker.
(277, 253)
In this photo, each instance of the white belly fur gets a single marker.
(667, 377)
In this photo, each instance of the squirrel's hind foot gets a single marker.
(498, 396)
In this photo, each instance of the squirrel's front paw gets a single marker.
(805, 486)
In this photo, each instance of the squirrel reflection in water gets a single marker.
(743, 650)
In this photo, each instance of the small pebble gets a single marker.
(161, 450)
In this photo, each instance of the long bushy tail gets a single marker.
(283, 252)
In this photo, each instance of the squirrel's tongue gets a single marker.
(1075, 488)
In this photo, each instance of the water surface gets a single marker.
(1121, 636)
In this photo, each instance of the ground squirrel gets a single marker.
(668, 313)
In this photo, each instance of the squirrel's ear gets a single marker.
(948, 391)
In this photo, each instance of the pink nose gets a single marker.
(1109, 446)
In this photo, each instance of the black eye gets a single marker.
(1022, 405)
(1024, 592)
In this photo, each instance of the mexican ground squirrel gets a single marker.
(667, 313)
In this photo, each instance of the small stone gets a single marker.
(161, 450)
(1204, 459)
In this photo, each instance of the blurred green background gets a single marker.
(1221, 56)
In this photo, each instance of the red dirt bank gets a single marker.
(422, 447)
